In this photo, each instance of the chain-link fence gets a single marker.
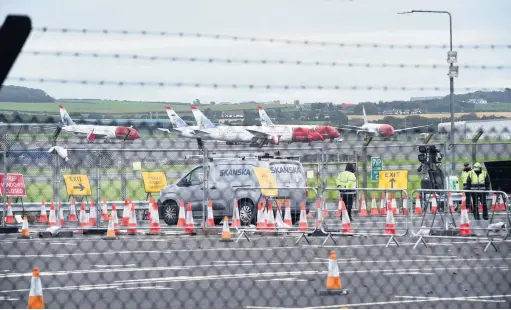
(167, 222)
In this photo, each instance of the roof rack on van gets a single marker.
(245, 156)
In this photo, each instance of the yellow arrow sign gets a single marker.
(397, 179)
(154, 182)
(77, 185)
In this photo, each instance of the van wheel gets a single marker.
(170, 212)
(246, 208)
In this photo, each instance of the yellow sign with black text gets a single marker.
(266, 180)
(77, 184)
(154, 181)
(397, 179)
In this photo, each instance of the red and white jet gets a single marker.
(93, 132)
(327, 132)
(377, 130)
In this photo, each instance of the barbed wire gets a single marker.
(305, 42)
(247, 61)
(246, 86)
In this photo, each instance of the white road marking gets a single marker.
(408, 273)
(282, 279)
(438, 256)
(144, 288)
(231, 261)
(135, 269)
(58, 243)
(8, 298)
(87, 271)
(111, 266)
(417, 300)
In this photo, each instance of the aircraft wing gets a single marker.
(409, 128)
(258, 134)
(170, 130)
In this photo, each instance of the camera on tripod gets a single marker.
(429, 154)
(430, 159)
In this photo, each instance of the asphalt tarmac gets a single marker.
(170, 271)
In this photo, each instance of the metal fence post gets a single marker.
(205, 183)
(364, 166)
(98, 184)
(4, 197)
(123, 178)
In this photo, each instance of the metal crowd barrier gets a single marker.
(287, 230)
(448, 229)
(333, 230)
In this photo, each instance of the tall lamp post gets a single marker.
(452, 58)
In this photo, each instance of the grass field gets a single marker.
(116, 107)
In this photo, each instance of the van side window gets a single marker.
(193, 178)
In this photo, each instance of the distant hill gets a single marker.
(10, 93)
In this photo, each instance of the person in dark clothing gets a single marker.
(463, 180)
(478, 179)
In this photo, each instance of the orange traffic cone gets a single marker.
(493, 202)
(463, 201)
(25, 233)
(210, 222)
(150, 209)
(72, 212)
(61, 215)
(393, 204)
(226, 233)
(303, 225)
(502, 205)
(346, 223)
(418, 207)
(111, 232)
(261, 222)
(405, 204)
(465, 229)
(83, 216)
(126, 213)
(390, 224)
(132, 224)
(115, 218)
(434, 204)
(93, 218)
(325, 209)
(480, 206)
(181, 222)
(43, 218)
(104, 211)
(190, 226)
(52, 221)
(35, 297)
(383, 210)
(287, 214)
(340, 206)
(270, 224)
(236, 221)
(374, 208)
(155, 221)
(9, 218)
(319, 214)
(450, 202)
(333, 281)
(363, 207)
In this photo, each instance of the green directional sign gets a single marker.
(376, 167)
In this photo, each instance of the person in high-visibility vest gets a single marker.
(478, 179)
(347, 180)
(463, 182)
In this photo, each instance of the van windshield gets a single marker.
(287, 173)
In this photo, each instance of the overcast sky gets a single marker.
(357, 21)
